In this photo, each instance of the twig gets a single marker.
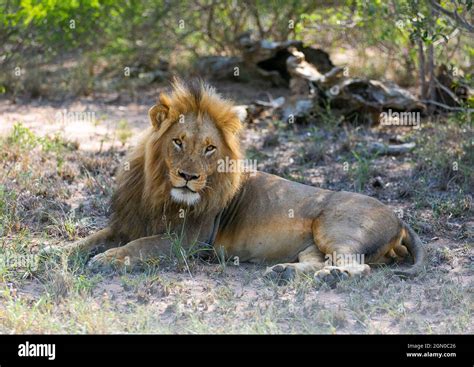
(381, 148)
(454, 15)
(446, 107)
(256, 15)
(449, 92)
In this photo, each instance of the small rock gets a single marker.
(377, 182)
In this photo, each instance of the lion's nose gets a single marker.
(188, 176)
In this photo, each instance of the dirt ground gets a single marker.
(57, 176)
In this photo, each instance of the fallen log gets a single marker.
(316, 84)
(299, 68)
(391, 149)
(372, 95)
(270, 58)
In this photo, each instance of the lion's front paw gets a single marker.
(331, 276)
(113, 259)
(281, 273)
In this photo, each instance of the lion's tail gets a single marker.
(414, 245)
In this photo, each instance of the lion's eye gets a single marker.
(210, 149)
(178, 143)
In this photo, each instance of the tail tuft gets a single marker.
(414, 245)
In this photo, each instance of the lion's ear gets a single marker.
(159, 112)
(241, 112)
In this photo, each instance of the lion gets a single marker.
(173, 182)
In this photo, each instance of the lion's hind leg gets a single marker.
(310, 261)
(331, 274)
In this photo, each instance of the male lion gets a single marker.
(171, 184)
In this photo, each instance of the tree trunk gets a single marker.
(431, 90)
(431, 93)
(422, 62)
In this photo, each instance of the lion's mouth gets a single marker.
(185, 188)
(185, 195)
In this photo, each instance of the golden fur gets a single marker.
(142, 196)
(257, 218)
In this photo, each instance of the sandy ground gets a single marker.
(236, 299)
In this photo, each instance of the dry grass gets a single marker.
(51, 193)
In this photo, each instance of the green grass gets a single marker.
(443, 175)
(24, 139)
(8, 216)
(361, 171)
(124, 132)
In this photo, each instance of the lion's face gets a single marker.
(193, 130)
(193, 147)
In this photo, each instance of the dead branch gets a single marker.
(446, 107)
(447, 91)
(393, 149)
